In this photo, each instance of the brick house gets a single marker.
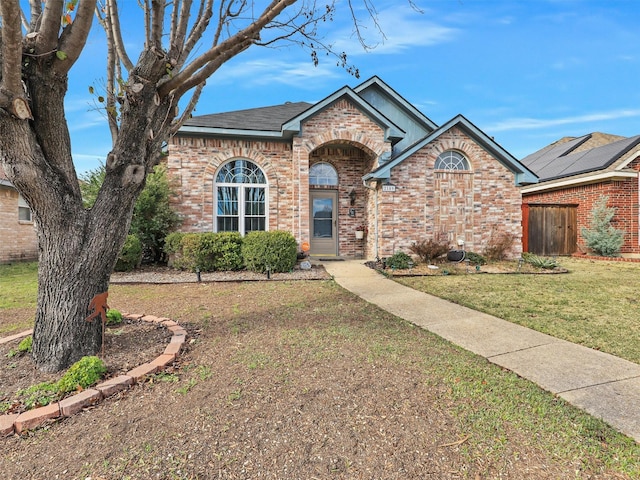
(362, 158)
(17, 231)
(575, 172)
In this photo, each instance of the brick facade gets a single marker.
(19, 240)
(623, 196)
(469, 206)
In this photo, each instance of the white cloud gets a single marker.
(402, 28)
(302, 74)
(533, 123)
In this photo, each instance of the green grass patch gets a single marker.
(18, 285)
(596, 304)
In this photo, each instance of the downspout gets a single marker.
(375, 215)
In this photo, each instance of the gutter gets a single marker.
(375, 214)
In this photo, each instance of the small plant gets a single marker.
(362, 228)
(25, 346)
(399, 260)
(475, 258)
(114, 317)
(39, 395)
(602, 237)
(540, 262)
(499, 245)
(429, 250)
(82, 374)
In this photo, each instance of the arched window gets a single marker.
(452, 161)
(323, 174)
(241, 197)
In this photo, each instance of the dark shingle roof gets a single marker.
(557, 161)
(258, 119)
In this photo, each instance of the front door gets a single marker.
(324, 222)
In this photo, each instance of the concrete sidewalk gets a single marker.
(601, 384)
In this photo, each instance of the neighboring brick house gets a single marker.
(17, 231)
(362, 157)
(574, 172)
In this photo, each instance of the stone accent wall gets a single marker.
(19, 239)
(470, 206)
(623, 195)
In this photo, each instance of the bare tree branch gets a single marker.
(47, 39)
(12, 95)
(116, 33)
(157, 24)
(203, 66)
(74, 36)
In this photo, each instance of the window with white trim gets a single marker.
(323, 173)
(241, 197)
(24, 211)
(451, 161)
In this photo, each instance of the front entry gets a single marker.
(324, 222)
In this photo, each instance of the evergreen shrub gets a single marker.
(276, 251)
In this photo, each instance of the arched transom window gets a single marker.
(323, 174)
(241, 197)
(452, 161)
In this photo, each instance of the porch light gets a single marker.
(352, 196)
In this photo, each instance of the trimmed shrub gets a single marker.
(399, 260)
(207, 252)
(130, 256)
(276, 251)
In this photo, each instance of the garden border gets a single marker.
(20, 422)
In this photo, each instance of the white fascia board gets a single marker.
(579, 181)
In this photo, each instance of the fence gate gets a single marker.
(552, 229)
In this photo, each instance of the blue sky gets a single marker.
(525, 72)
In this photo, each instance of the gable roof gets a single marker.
(392, 131)
(523, 175)
(571, 158)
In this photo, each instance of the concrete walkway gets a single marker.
(601, 384)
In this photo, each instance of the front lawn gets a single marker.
(596, 304)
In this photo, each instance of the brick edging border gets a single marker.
(605, 259)
(19, 422)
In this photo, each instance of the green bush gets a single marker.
(114, 317)
(475, 258)
(173, 243)
(399, 260)
(84, 373)
(130, 256)
(602, 237)
(206, 251)
(276, 251)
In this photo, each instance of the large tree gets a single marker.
(186, 41)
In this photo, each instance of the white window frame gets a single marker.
(23, 206)
(451, 161)
(241, 196)
(325, 180)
